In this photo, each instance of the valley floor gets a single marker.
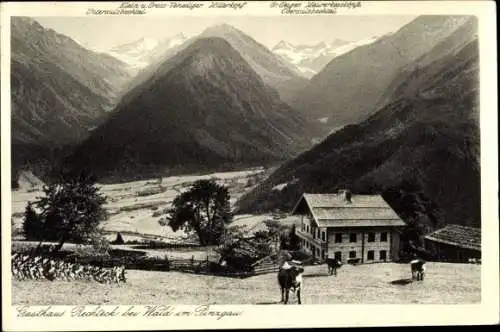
(135, 208)
(384, 283)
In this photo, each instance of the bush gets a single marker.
(33, 227)
(150, 192)
(99, 246)
(163, 221)
(158, 213)
(302, 254)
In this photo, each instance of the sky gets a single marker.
(106, 32)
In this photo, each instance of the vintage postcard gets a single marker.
(248, 164)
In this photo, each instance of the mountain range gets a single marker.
(311, 59)
(350, 86)
(403, 109)
(420, 149)
(203, 108)
(274, 71)
(59, 90)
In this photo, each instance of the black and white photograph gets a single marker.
(227, 159)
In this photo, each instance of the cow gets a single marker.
(290, 278)
(333, 265)
(417, 269)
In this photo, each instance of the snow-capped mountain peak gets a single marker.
(310, 59)
(143, 44)
(143, 51)
(177, 39)
(283, 45)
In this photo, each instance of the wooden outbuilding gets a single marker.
(455, 243)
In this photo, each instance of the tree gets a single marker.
(71, 210)
(289, 240)
(204, 209)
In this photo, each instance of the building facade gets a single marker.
(352, 228)
(454, 243)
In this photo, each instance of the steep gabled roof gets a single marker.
(458, 236)
(333, 210)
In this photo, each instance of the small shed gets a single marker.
(455, 243)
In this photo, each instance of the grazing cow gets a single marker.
(290, 278)
(417, 269)
(333, 265)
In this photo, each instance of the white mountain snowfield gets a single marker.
(297, 53)
(310, 59)
(307, 60)
(142, 52)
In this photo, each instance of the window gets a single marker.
(383, 237)
(338, 255)
(323, 254)
(352, 237)
(307, 228)
(383, 255)
(317, 251)
(371, 237)
(371, 255)
(338, 238)
(352, 254)
(323, 236)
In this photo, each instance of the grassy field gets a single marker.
(134, 210)
(384, 283)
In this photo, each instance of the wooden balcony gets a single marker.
(309, 237)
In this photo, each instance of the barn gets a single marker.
(455, 243)
(352, 228)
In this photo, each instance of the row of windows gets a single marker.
(338, 254)
(370, 255)
(353, 237)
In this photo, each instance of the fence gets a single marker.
(205, 266)
(208, 267)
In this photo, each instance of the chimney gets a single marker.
(346, 193)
